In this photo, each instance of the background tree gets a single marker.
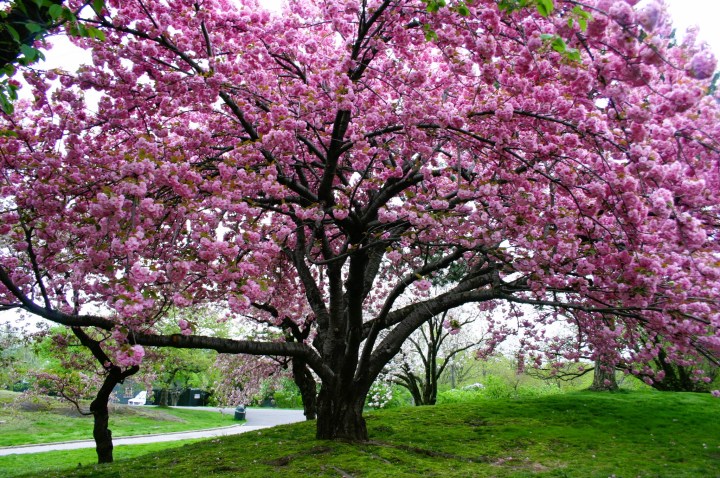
(178, 369)
(243, 377)
(16, 358)
(428, 353)
(461, 368)
(329, 162)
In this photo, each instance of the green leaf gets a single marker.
(42, 3)
(558, 44)
(96, 33)
(55, 11)
(581, 16)
(5, 104)
(98, 5)
(30, 53)
(68, 15)
(13, 33)
(33, 27)
(435, 5)
(430, 34)
(463, 10)
(583, 24)
(8, 70)
(572, 54)
(545, 7)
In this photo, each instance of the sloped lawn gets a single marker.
(572, 435)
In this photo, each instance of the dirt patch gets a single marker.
(285, 460)
(34, 406)
(431, 453)
(153, 413)
(72, 412)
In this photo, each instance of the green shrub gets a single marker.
(458, 395)
(288, 395)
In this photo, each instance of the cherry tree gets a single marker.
(86, 369)
(242, 376)
(315, 170)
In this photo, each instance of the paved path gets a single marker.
(256, 418)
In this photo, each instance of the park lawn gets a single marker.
(580, 434)
(47, 421)
(41, 463)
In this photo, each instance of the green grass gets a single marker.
(42, 463)
(28, 422)
(578, 434)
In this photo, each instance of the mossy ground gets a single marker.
(570, 435)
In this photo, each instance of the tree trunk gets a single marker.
(603, 378)
(340, 415)
(416, 395)
(99, 406)
(101, 433)
(163, 397)
(306, 384)
(101, 414)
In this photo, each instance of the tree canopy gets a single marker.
(315, 170)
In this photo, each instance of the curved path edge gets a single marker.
(263, 418)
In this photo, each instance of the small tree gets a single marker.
(177, 369)
(16, 357)
(86, 368)
(428, 353)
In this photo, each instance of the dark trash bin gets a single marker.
(240, 412)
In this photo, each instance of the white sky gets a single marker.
(704, 14)
(686, 13)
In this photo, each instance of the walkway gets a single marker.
(256, 420)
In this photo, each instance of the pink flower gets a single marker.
(622, 13)
(702, 65)
(185, 327)
(648, 16)
(423, 285)
(715, 393)
(128, 356)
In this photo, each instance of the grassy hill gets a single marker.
(582, 434)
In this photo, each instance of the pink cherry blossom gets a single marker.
(702, 65)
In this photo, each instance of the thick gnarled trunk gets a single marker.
(340, 416)
(604, 378)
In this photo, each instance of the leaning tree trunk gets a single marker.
(101, 416)
(99, 407)
(101, 413)
(603, 378)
